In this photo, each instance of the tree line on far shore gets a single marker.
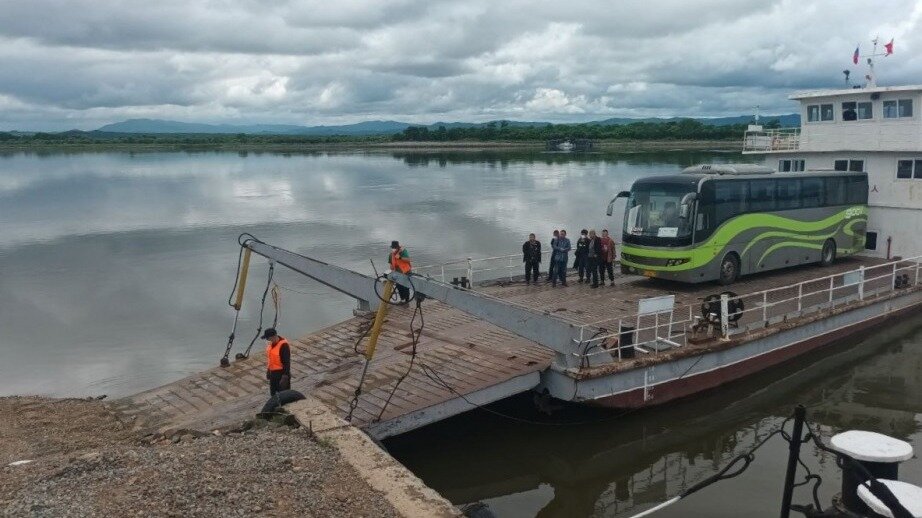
(683, 129)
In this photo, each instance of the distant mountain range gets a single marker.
(383, 127)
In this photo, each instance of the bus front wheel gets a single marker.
(829, 253)
(729, 269)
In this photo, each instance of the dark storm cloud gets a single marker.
(80, 63)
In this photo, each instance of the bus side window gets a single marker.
(788, 194)
(857, 191)
(811, 192)
(762, 195)
(835, 191)
(729, 200)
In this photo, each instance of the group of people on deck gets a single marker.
(595, 256)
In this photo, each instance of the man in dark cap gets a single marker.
(399, 261)
(278, 361)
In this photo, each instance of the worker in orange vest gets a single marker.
(399, 260)
(278, 361)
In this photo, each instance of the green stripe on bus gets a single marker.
(789, 244)
(791, 235)
(702, 253)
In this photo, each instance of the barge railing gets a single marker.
(654, 333)
(501, 267)
(779, 139)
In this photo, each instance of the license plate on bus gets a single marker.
(649, 273)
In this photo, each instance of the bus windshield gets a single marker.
(653, 211)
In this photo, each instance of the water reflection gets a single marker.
(114, 267)
(620, 466)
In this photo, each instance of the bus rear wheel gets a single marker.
(729, 269)
(829, 253)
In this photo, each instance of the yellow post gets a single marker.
(242, 281)
(379, 319)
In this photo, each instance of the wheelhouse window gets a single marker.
(788, 166)
(820, 112)
(906, 169)
(856, 166)
(898, 109)
(854, 110)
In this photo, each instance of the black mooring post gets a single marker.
(793, 454)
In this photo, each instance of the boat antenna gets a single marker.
(847, 72)
(871, 78)
(757, 114)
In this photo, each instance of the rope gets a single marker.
(358, 391)
(383, 277)
(730, 470)
(277, 303)
(262, 308)
(844, 461)
(414, 335)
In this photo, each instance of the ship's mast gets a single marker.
(871, 78)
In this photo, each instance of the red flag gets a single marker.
(889, 47)
(855, 56)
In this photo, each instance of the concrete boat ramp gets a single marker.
(463, 361)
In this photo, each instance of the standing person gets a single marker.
(552, 264)
(593, 258)
(582, 249)
(278, 361)
(607, 262)
(399, 259)
(561, 256)
(531, 256)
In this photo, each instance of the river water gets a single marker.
(115, 270)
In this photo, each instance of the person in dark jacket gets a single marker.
(593, 258)
(531, 256)
(561, 255)
(608, 257)
(582, 248)
(552, 264)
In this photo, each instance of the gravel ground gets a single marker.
(85, 463)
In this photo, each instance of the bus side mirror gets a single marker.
(687, 201)
(611, 204)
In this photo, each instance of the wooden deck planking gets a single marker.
(468, 354)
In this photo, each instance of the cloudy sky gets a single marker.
(83, 63)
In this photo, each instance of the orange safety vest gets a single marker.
(399, 263)
(274, 355)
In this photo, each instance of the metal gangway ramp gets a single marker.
(462, 360)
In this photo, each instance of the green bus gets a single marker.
(718, 222)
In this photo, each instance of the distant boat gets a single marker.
(568, 145)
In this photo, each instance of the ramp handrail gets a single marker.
(474, 269)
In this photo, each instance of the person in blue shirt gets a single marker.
(561, 256)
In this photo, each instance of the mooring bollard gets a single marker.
(879, 454)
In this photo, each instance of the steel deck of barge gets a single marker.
(461, 361)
